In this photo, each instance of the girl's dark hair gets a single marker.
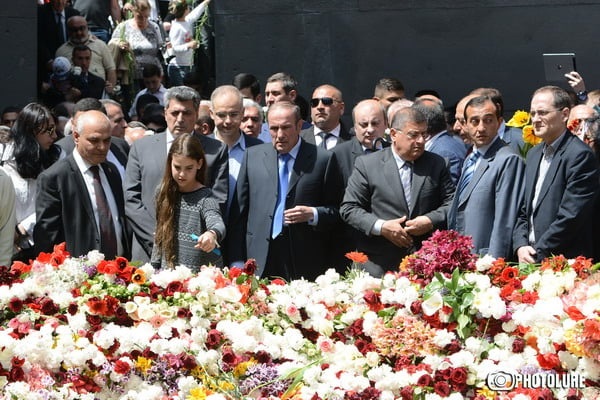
(30, 158)
(165, 238)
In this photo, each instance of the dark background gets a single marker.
(450, 46)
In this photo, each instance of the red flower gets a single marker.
(442, 388)
(277, 281)
(357, 257)
(548, 360)
(15, 305)
(48, 307)
(173, 287)
(518, 345)
(250, 267)
(373, 300)
(509, 274)
(591, 329)
(16, 374)
(574, 313)
(229, 356)
(407, 393)
(425, 381)
(121, 367)
(20, 267)
(107, 267)
(17, 362)
(234, 273)
(97, 306)
(213, 339)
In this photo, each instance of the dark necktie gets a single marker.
(108, 237)
(283, 186)
(324, 137)
(468, 172)
(61, 28)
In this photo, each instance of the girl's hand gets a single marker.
(124, 45)
(207, 241)
(193, 44)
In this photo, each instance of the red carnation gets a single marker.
(442, 388)
(407, 393)
(121, 367)
(48, 307)
(234, 273)
(548, 360)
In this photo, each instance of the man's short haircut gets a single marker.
(429, 92)
(286, 105)
(205, 118)
(244, 80)
(182, 93)
(249, 103)
(224, 90)
(11, 109)
(493, 93)
(88, 104)
(388, 85)
(405, 115)
(151, 70)
(480, 101)
(143, 101)
(287, 81)
(111, 102)
(436, 121)
(80, 47)
(137, 124)
(560, 96)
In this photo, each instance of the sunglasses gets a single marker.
(327, 101)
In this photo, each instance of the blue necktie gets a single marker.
(283, 186)
(468, 172)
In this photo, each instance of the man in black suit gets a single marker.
(88, 84)
(398, 196)
(561, 186)
(52, 32)
(147, 163)
(370, 123)
(287, 192)
(80, 198)
(327, 106)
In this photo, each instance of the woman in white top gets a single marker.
(33, 136)
(182, 40)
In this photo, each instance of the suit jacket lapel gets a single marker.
(83, 192)
(420, 171)
(271, 166)
(305, 158)
(392, 175)
(484, 164)
(534, 157)
(552, 169)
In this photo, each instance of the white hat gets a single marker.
(61, 68)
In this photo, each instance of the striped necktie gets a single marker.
(468, 172)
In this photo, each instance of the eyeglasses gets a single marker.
(540, 113)
(413, 135)
(49, 131)
(78, 28)
(327, 101)
(231, 114)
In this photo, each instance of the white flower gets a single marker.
(484, 263)
(433, 303)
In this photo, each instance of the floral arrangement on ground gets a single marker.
(446, 325)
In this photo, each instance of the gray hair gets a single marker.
(182, 93)
(249, 103)
(405, 115)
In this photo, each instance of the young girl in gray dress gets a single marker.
(189, 224)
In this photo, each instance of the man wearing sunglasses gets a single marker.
(102, 63)
(327, 107)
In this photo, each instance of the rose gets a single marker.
(373, 300)
(442, 388)
(15, 305)
(407, 393)
(72, 308)
(425, 380)
(173, 287)
(229, 357)
(250, 267)
(518, 345)
(48, 307)
(213, 339)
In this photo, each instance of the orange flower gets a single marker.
(529, 137)
(20, 267)
(139, 277)
(357, 257)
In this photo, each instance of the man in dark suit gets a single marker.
(287, 192)
(51, 32)
(398, 196)
(80, 198)
(561, 185)
(147, 163)
(370, 123)
(490, 188)
(89, 85)
(327, 107)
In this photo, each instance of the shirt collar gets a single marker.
(294, 151)
(83, 165)
(335, 131)
(483, 149)
(399, 160)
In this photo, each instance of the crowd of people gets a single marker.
(190, 182)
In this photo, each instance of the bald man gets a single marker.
(587, 116)
(327, 107)
(80, 198)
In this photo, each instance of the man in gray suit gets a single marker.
(398, 196)
(147, 164)
(491, 185)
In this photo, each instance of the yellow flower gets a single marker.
(487, 393)
(529, 137)
(143, 364)
(519, 119)
(242, 367)
(225, 386)
(198, 393)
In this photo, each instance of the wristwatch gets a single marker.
(582, 96)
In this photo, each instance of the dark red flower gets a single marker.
(442, 388)
(17, 362)
(250, 267)
(16, 374)
(121, 367)
(518, 345)
(48, 307)
(262, 357)
(425, 380)
(72, 308)
(94, 320)
(407, 393)
(415, 307)
(213, 339)
(173, 287)
(229, 357)
(15, 305)
(373, 300)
